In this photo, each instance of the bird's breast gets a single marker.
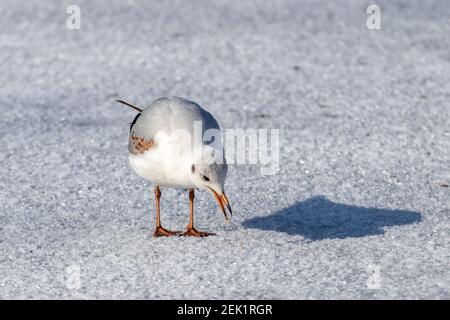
(164, 165)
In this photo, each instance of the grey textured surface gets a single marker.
(364, 119)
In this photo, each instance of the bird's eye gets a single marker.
(205, 177)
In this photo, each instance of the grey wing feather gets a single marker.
(168, 114)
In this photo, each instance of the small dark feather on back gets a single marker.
(134, 121)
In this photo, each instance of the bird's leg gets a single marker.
(191, 231)
(160, 231)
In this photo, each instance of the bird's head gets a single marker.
(208, 172)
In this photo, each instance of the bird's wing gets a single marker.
(165, 115)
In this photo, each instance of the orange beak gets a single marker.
(222, 200)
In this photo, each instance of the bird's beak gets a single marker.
(222, 200)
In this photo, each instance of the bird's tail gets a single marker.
(129, 105)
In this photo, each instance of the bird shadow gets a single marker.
(318, 218)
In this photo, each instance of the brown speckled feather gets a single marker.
(138, 145)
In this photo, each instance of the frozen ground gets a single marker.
(365, 153)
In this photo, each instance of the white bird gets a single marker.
(161, 154)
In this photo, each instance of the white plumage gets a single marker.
(164, 149)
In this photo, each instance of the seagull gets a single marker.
(166, 158)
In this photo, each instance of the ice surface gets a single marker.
(365, 149)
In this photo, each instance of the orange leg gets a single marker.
(160, 231)
(191, 231)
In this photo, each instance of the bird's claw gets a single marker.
(192, 232)
(162, 232)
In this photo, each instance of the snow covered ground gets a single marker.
(359, 208)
